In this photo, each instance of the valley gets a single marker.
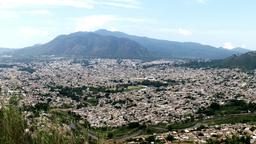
(109, 97)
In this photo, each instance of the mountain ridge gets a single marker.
(107, 44)
(174, 49)
(89, 44)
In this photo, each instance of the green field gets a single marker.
(131, 88)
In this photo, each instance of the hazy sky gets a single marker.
(229, 23)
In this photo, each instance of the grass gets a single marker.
(128, 88)
(93, 101)
(232, 119)
(231, 107)
(133, 88)
(12, 127)
(182, 125)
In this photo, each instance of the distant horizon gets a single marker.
(121, 32)
(218, 23)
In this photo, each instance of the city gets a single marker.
(115, 92)
(127, 72)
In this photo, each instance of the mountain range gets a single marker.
(6, 50)
(174, 49)
(108, 44)
(88, 44)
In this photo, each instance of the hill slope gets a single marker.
(6, 50)
(88, 45)
(173, 49)
(245, 61)
(106, 44)
(240, 50)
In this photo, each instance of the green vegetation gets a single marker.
(27, 69)
(153, 83)
(134, 88)
(45, 137)
(12, 127)
(93, 101)
(231, 107)
(117, 89)
(133, 129)
(72, 92)
(6, 66)
(38, 107)
(15, 131)
(83, 62)
(75, 93)
(231, 119)
(201, 64)
(216, 120)
(170, 137)
(174, 82)
(181, 125)
(245, 62)
(14, 100)
(233, 112)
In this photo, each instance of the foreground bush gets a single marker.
(12, 127)
(13, 130)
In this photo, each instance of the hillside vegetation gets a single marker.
(245, 62)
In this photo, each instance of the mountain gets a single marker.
(5, 50)
(87, 44)
(107, 44)
(173, 49)
(245, 61)
(241, 50)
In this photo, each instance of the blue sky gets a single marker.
(228, 23)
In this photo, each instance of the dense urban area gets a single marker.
(127, 101)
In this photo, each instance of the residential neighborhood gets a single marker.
(114, 93)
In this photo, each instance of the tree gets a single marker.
(170, 137)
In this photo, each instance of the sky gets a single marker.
(220, 23)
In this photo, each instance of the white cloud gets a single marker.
(243, 46)
(32, 32)
(11, 8)
(94, 22)
(201, 1)
(37, 12)
(8, 14)
(133, 19)
(113, 29)
(27, 3)
(119, 3)
(184, 32)
(228, 45)
(6, 4)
